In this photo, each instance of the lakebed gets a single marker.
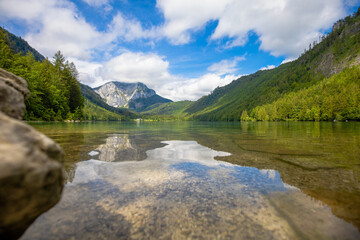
(176, 180)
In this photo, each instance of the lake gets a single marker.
(186, 180)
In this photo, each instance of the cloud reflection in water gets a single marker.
(181, 191)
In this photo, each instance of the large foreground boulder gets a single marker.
(31, 177)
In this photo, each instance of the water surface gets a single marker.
(207, 181)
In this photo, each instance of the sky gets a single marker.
(183, 49)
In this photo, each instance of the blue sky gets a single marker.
(183, 49)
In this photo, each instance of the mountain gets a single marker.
(135, 96)
(270, 94)
(97, 109)
(19, 45)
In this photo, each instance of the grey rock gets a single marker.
(128, 95)
(13, 92)
(119, 94)
(31, 174)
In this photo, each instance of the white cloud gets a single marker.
(130, 29)
(104, 4)
(59, 26)
(54, 25)
(153, 70)
(149, 68)
(288, 60)
(89, 72)
(226, 66)
(194, 88)
(184, 16)
(24, 9)
(97, 3)
(55, 34)
(284, 27)
(268, 67)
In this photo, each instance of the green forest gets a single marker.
(335, 98)
(54, 90)
(93, 112)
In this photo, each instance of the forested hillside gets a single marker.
(54, 89)
(140, 104)
(171, 108)
(251, 97)
(335, 98)
(19, 45)
(93, 112)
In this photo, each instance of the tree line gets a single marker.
(54, 89)
(335, 98)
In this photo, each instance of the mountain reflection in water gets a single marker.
(181, 191)
(119, 147)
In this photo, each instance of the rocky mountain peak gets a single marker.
(120, 94)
